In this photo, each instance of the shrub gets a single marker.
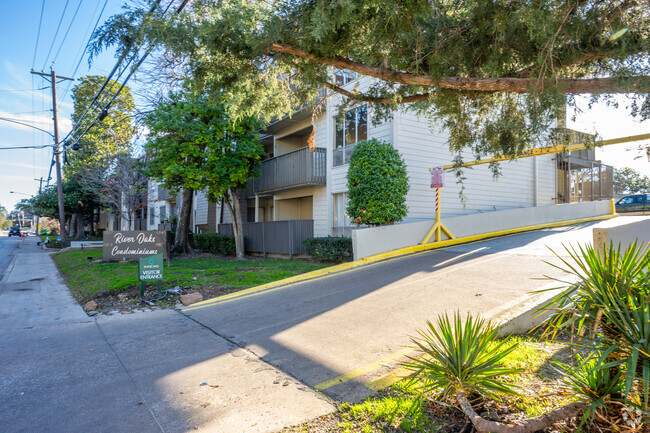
(215, 243)
(332, 249)
(462, 354)
(377, 184)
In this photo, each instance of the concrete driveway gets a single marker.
(343, 332)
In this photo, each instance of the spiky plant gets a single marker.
(592, 383)
(462, 355)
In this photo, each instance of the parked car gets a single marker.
(14, 231)
(634, 203)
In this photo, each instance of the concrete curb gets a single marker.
(395, 254)
(10, 268)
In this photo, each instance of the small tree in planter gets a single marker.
(377, 184)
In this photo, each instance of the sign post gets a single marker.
(150, 269)
(437, 182)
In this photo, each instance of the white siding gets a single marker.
(321, 209)
(200, 208)
(421, 149)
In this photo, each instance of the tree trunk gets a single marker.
(237, 225)
(182, 242)
(529, 425)
(80, 226)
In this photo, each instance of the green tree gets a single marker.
(101, 143)
(496, 74)
(3, 216)
(630, 181)
(193, 145)
(377, 184)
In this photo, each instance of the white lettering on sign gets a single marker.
(121, 252)
(437, 177)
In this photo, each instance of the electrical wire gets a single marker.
(38, 34)
(56, 33)
(67, 31)
(99, 92)
(81, 57)
(26, 147)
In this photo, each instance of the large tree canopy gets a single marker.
(193, 145)
(497, 74)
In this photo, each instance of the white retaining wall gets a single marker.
(375, 240)
(638, 230)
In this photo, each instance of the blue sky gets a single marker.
(27, 98)
(20, 97)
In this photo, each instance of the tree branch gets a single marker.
(378, 99)
(529, 425)
(639, 84)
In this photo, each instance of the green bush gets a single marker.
(377, 184)
(331, 249)
(215, 243)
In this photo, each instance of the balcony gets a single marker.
(295, 169)
(164, 193)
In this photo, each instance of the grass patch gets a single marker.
(400, 408)
(91, 280)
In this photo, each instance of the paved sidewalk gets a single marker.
(160, 371)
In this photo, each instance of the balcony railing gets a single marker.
(295, 169)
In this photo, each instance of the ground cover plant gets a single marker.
(211, 275)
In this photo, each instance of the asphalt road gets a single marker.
(8, 247)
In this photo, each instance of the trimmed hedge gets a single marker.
(330, 249)
(215, 243)
(377, 184)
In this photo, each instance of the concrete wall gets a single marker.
(624, 235)
(375, 240)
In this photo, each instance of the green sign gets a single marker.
(151, 268)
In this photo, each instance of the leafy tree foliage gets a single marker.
(630, 181)
(496, 74)
(3, 216)
(377, 184)
(98, 148)
(112, 135)
(194, 145)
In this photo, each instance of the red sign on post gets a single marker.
(437, 177)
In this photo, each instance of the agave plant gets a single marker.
(598, 274)
(592, 383)
(610, 300)
(463, 355)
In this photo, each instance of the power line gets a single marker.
(26, 147)
(6, 119)
(56, 33)
(66, 32)
(106, 82)
(38, 35)
(81, 57)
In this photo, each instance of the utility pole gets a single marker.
(38, 217)
(57, 152)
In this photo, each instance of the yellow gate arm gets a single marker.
(550, 149)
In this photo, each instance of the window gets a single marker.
(343, 76)
(341, 218)
(163, 213)
(352, 129)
